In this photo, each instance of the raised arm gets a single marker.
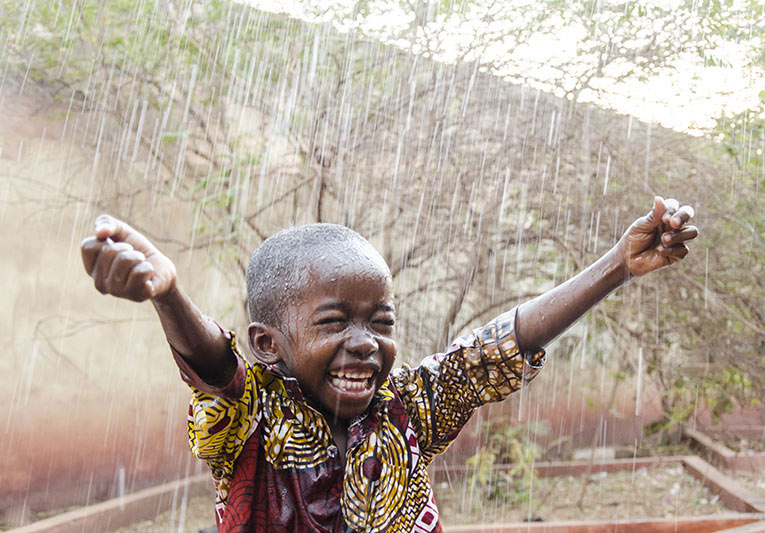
(650, 243)
(127, 265)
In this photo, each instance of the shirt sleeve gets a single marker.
(221, 418)
(442, 392)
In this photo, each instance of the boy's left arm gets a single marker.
(650, 243)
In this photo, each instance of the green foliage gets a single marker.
(197, 64)
(721, 394)
(616, 41)
(508, 444)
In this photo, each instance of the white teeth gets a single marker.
(353, 374)
(355, 385)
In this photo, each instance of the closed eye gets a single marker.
(330, 320)
(384, 322)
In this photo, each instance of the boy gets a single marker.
(320, 434)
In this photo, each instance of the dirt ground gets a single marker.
(196, 515)
(746, 446)
(753, 481)
(657, 492)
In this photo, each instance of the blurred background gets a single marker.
(489, 150)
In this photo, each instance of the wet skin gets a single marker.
(336, 339)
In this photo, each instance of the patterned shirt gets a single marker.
(276, 467)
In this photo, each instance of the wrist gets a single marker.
(615, 266)
(170, 296)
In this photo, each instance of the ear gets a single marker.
(265, 343)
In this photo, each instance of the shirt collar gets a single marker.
(291, 387)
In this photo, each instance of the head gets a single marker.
(320, 299)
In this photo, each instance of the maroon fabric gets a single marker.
(262, 498)
(233, 390)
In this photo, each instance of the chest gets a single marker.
(294, 436)
(304, 480)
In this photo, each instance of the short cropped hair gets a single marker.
(280, 266)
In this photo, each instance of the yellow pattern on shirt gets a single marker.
(439, 396)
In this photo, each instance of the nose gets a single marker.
(360, 342)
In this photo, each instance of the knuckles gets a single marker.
(129, 256)
(117, 268)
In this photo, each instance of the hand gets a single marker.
(124, 263)
(657, 239)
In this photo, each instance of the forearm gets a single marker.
(541, 320)
(195, 336)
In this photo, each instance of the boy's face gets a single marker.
(339, 334)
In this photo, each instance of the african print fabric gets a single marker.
(275, 465)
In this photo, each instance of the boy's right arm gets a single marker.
(126, 264)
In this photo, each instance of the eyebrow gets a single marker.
(338, 306)
(331, 306)
(385, 307)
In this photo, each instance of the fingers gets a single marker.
(681, 216)
(675, 216)
(674, 252)
(118, 269)
(673, 240)
(138, 285)
(672, 206)
(676, 232)
(109, 227)
(676, 237)
(89, 249)
(658, 210)
(103, 264)
(106, 226)
(122, 265)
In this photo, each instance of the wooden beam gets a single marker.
(562, 468)
(680, 524)
(733, 495)
(119, 512)
(721, 455)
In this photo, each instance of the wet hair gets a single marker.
(280, 266)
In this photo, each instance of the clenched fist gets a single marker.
(658, 239)
(124, 263)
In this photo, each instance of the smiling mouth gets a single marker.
(353, 381)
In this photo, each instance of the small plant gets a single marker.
(721, 392)
(508, 444)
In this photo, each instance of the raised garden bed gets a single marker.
(709, 524)
(112, 514)
(746, 458)
(662, 492)
(753, 481)
(635, 515)
(142, 512)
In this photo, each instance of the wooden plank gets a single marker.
(562, 468)
(119, 512)
(716, 452)
(747, 462)
(723, 456)
(681, 524)
(578, 468)
(732, 494)
(754, 527)
(740, 431)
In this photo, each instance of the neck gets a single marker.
(339, 429)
